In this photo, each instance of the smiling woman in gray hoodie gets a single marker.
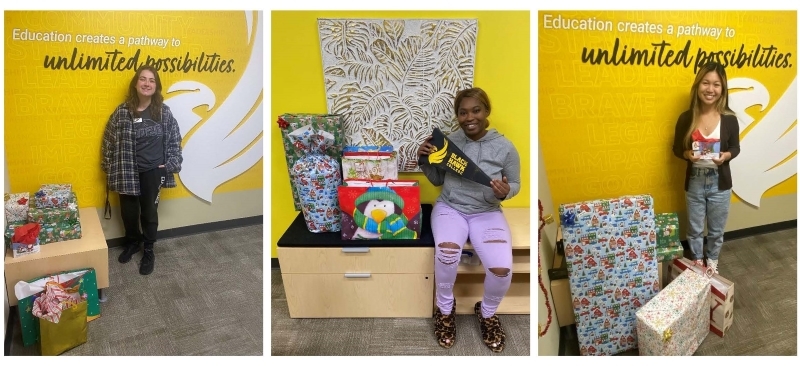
(469, 210)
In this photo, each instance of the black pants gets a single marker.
(150, 183)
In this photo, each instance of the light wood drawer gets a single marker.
(363, 260)
(376, 296)
(469, 289)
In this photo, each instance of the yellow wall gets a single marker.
(54, 119)
(607, 130)
(502, 69)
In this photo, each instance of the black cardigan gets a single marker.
(729, 141)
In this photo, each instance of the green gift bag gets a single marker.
(68, 333)
(27, 292)
(330, 123)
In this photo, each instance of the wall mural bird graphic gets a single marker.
(767, 146)
(230, 141)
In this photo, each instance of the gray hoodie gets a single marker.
(495, 155)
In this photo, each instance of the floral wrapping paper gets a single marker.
(330, 123)
(610, 249)
(53, 195)
(667, 234)
(16, 206)
(317, 178)
(56, 215)
(721, 296)
(675, 322)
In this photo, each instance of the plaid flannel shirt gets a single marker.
(119, 151)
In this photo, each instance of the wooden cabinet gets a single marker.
(326, 277)
(357, 282)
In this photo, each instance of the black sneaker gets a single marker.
(128, 252)
(148, 262)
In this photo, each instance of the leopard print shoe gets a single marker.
(492, 332)
(444, 327)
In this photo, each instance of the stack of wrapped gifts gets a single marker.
(610, 248)
(668, 243)
(721, 307)
(54, 207)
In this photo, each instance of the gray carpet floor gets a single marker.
(763, 269)
(205, 297)
(383, 336)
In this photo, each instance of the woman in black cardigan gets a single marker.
(708, 182)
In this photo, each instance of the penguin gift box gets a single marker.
(380, 210)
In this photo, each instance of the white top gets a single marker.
(706, 163)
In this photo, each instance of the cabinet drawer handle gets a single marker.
(357, 275)
(356, 250)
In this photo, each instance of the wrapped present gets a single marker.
(370, 164)
(669, 253)
(610, 253)
(330, 123)
(316, 177)
(380, 210)
(56, 215)
(62, 319)
(16, 206)
(53, 195)
(721, 295)
(675, 322)
(667, 235)
(371, 149)
(84, 281)
(61, 231)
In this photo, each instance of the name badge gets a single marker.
(137, 120)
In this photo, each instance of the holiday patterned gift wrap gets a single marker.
(369, 165)
(53, 195)
(330, 123)
(317, 177)
(16, 206)
(21, 249)
(610, 250)
(668, 254)
(10, 231)
(62, 231)
(55, 215)
(675, 322)
(380, 210)
(721, 295)
(667, 235)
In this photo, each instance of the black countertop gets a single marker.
(298, 236)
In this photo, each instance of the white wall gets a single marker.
(548, 345)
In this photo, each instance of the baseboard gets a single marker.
(12, 318)
(275, 264)
(197, 229)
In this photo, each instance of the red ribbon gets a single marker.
(541, 283)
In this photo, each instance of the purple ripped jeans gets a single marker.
(489, 234)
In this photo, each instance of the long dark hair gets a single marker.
(156, 101)
(722, 103)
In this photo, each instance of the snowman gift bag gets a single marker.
(316, 178)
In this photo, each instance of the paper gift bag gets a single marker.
(380, 210)
(68, 333)
(374, 164)
(316, 177)
(721, 295)
(28, 291)
(330, 123)
(25, 240)
(667, 235)
(675, 322)
(447, 156)
(16, 206)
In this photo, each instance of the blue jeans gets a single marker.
(705, 201)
